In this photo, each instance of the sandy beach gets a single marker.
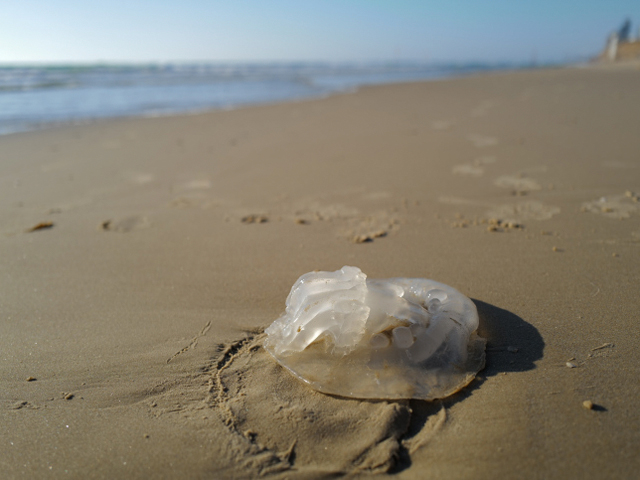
(140, 260)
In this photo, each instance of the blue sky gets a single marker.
(288, 30)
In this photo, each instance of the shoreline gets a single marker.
(442, 76)
(131, 324)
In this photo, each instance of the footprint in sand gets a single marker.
(468, 169)
(313, 210)
(194, 200)
(481, 141)
(368, 229)
(354, 225)
(507, 213)
(192, 193)
(125, 225)
(277, 423)
(523, 211)
(358, 215)
(520, 184)
(139, 178)
(474, 169)
(614, 206)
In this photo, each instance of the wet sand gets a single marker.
(140, 260)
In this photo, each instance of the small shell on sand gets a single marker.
(346, 335)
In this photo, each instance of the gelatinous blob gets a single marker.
(395, 338)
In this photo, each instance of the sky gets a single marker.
(67, 31)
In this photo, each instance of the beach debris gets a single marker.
(362, 238)
(254, 219)
(494, 225)
(571, 365)
(40, 226)
(344, 334)
(604, 345)
(301, 221)
(250, 434)
(106, 225)
(31, 379)
(588, 404)
(368, 237)
(67, 396)
(124, 225)
(499, 225)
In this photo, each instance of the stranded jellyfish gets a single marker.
(347, 335)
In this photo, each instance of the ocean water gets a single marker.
(33, 97)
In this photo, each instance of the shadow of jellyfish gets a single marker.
(513, 345)
(507, 334)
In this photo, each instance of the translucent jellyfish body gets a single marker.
(385, 339)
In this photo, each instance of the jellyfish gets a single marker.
(398, 338)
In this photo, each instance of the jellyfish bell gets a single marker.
(347, 335)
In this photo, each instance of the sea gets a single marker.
(39, 96)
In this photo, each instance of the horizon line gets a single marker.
(36, 63)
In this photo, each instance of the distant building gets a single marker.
(621, 45)
(625, 30)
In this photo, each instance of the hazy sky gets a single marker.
(334, 30)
